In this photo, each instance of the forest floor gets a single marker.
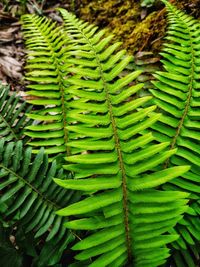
(140, 29)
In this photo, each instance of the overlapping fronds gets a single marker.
(30, 197)
(46, 45)
(177, 95)
(127, 216)
(12, 115)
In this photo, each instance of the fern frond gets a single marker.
(46, 45)
(114, 162)
(12, 115)
(176, 94)
(31, 196)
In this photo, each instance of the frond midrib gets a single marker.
(48, 201)
(188, 100)
(117, 146)
(59, 73)
(9, 126)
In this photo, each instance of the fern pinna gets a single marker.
(127, 216)
(177, 94)
(46, 45)
(29, 197)
(12, 115)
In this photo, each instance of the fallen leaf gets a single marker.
(11, 67)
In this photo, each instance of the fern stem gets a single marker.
(119, 153)
(10, 128)
(30, 185)
(121, 166)
(182, 120)
(60, 81)
(64, 112)
(62, 97)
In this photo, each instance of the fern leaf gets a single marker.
(31, 197)
(12, 115)
(105, 123)
(176, 94)
(45, 71)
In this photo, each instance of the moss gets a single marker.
(120, 17)
(148, 33)
(138, 29)
(123, 18)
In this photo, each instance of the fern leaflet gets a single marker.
(46, 46)
(128, 217)
(12, 115)
(176, 94)
(30, 197)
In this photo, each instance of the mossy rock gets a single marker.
(139, 29)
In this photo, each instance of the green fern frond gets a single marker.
(45, 70)
(12, 115)
(30, 195)
(114, 162)
(177, 94)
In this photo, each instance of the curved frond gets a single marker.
(177, 94)
(12, 115)
(30, 195)
(46, 45)
(127, 216)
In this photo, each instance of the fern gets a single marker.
(46, 46)
(127, 217)
(177, 96)
(12, 115)
(30, 197)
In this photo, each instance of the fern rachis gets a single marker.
(12, 115)
(176, 95)
(46, 44)
(101, 117)
(30, 197)
(90, 109)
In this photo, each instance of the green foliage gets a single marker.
(30, 197)
(12, 115)
(46, 46)
(176, 94)
(128, 219)
(87, 109)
